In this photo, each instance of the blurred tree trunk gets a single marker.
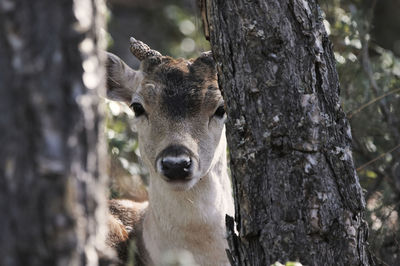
(296, 191)
(52, 190)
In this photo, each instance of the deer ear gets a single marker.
(205, 62)
(205, 58)
(122, 80)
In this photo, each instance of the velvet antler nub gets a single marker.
(141, 50)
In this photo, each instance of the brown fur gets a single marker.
(184, 84)
(125, 226)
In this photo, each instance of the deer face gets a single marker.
(179, 114)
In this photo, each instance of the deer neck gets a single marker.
(180, 219)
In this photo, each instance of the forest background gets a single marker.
(366, 42)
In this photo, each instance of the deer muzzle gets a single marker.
(175, 163)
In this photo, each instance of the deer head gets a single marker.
(179, 113)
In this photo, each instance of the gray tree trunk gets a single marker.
(297, 195)
(52, 190)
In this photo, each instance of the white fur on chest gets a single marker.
(193, 220)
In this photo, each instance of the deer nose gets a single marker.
(176, 168)
(175, 163)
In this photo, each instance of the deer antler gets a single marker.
(141, 50)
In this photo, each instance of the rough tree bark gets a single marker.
(52, 190)
(297, 194)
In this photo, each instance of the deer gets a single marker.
(180, 120)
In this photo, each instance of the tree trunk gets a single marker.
(297, 194)
(52, 190)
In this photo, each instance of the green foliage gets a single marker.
(192, 40)
(131, 253)
(369, 77)
(123, 147)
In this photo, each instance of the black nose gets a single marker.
(176, 163)
(176, 168)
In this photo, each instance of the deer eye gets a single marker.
(220, 112)
(138, 109)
